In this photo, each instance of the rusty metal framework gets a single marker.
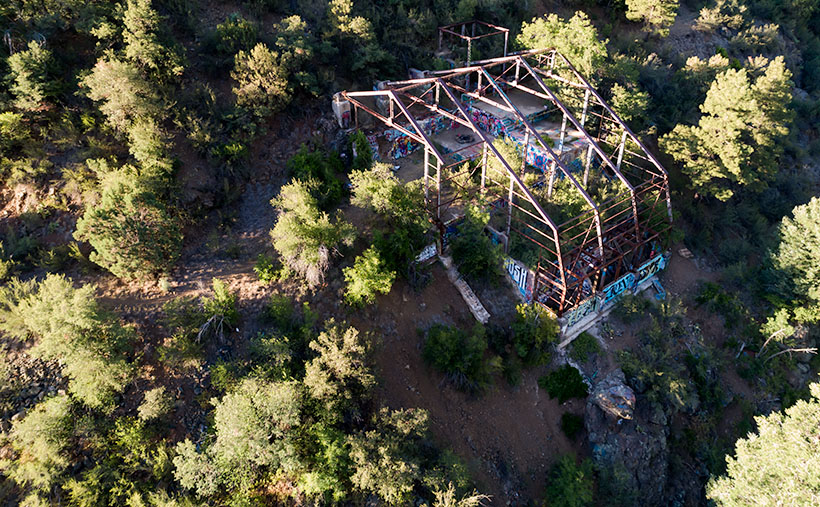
(467, 31)
(620, 187)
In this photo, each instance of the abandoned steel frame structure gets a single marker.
(583, 255)
(459, 30)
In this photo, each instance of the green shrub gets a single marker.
(266, 269)
(71, 326)
(42, 440)
(156, 404)
(254, 435)
(564, 383)
(533, 331)
(30, 80)
(235, 34)
(584, 346)
(262, 80)
(280, 311)
(459, 355)
(571, 424)
(132, 232)
(340, 376)
(303, 235)
(631, 308)
(322, 168)
(366, 278)
(511, 369)
(571, 484)
(223, 303)
(474, 253)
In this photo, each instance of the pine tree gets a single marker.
(737, 142)
(575, 38)
(305, 237)
(657, 15)
(30, 71)
(778, 465)
(799, 250)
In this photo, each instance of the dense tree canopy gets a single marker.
(657, 15)
(798, 254)
(69, 325)
(738, 140)
(31, 76)
(777, 465)
(132, 233)
(576, 38)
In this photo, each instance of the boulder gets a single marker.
(628, 436)
(613, 396)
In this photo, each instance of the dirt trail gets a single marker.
(204, 259)
(509, 437)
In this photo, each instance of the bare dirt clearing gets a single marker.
(509, 436)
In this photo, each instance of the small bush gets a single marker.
(564, 383)
(280, 311)
(459, 355)
(156, 404)
(366, 278)
(223, 303)
(474, 253)
(571, 484)
(584, 346)
(532, 333)
(571, 424)
(631, 308)
(266, 269)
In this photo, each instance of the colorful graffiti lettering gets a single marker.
(585, 308)
(618, 287)
(520, 275)
(651, 267)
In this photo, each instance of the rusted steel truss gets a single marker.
(581, 255)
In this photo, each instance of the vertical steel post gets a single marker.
(524, 155)
(483, 168)
(509, 216)
(587, 163)
(426, 173)
(506, 36)
(586, 105)
(438, 185)
(621, 150)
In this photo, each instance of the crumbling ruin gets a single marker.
(584, 215)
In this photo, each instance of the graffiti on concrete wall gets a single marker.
(587, 307)
(651, 267)
(610, 293)
(521, 276)
(618, 287)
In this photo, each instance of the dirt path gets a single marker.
(509, 437)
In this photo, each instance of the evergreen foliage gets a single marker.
(340, 376)
(564, 383)
(366, 278)
(31, 76)
(737, 142)
(69, 325)
(798, 254)
(571, 484)
(132, 233)
(42, 439)
(474, 253)
(460, 355)
(576, 38)
(305, 237)
(657, 15)
(778, 464)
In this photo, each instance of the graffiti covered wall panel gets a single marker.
(521, 276)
